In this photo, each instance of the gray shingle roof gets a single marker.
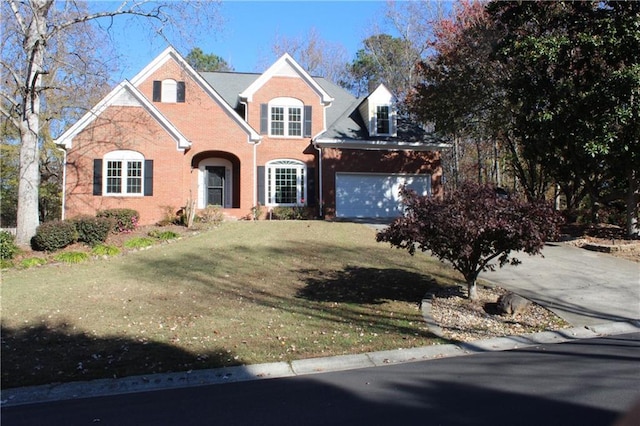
(344, 121)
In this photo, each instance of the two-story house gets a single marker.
(172, 135)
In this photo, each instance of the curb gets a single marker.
(135, 384)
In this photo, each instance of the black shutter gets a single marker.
(157, 91)
(180, 94)
(264, 119)
(261, 178)
(311, 187)
(148, 177)
(307, 121)
(97, 176)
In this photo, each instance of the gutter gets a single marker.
(379, 145)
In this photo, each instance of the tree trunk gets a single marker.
(633, 198)
(35, 46)
(472, 290)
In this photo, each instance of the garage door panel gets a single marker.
(374, 195)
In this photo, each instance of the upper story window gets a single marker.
(285, 117)
(168, 91)
(383, 119)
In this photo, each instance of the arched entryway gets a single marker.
(218, 179)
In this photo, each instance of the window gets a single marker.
(383, 123)
(168, 91)
(286, 182)
(286, 121)
(124, 173)
(286, 117)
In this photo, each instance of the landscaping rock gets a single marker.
(512, 304)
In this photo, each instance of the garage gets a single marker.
(369, 195)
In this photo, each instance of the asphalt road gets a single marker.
(582, 382)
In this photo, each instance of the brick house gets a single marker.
(171, 136)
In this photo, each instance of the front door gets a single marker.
(215, 186)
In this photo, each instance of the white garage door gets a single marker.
(375, 195)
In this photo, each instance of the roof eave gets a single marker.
(379, 145)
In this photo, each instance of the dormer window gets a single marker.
(168, 91)
(383, 119)
(285, 117)
(378, 112)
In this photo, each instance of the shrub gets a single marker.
(256, 212)
(290, 213)
(93, 230)
(171, 217)
(54, 235)
(124, 220)
(8, 247)
(72, 257)
(32, 261)
(105, 250)
(212, 215)
(138, 242)
(163, 235)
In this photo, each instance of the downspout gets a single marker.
(320, 199)
(64, 181)
(254, 173)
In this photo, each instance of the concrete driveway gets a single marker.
(583, 287)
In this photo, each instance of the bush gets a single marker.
(93, 230)
(138, 242)
(105, 250)
(32, 261)
(8, 247)
(71, 257)
(290, 213)
(124, 220)
(212, 215)
(54, 235)
(163, 235)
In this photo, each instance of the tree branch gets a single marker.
(155, 13)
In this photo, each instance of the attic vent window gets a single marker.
(383, 123)
(168, 91)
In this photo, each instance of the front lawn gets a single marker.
(243, 293)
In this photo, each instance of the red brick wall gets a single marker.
(210, 128)
(290, 148)
(133, 129)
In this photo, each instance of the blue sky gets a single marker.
(250, 27)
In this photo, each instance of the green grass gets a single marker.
(32, 261)
(243, 293)
(163, 235)
(71, 257)
(138, 242)
(105, 250)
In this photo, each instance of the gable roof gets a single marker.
(171, 53)
(285, 66)
(124, 94)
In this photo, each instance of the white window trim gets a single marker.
(391, 120)
(202, 180)
(125, 157)
(301, 182)
(286, 104)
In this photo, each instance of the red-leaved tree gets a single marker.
(472, 226)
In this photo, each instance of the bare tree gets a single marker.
(317, 56)
(30, 62)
